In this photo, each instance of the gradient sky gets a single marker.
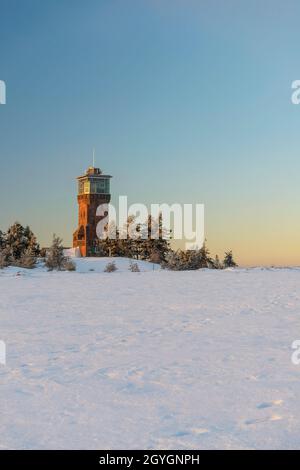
(184, 101)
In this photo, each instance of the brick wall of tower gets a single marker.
(85, 236)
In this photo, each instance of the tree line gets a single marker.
(19, 247)
(158, 250)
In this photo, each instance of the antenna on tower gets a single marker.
(93, 158)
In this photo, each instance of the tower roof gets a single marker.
(95, 172)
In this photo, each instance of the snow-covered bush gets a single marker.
(134, 267)
(188, 260)
(69, 265)
(110, 267)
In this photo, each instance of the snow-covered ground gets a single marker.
(156, 359)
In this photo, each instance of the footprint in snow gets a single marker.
(181, 434)
(262, 406)
(263, 420)
(200, 431)
(268, 404)
(196, 431)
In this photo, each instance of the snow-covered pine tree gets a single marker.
(18, 239)
(128, 244)
(144, 243)
(160, 245)
(228, 260)
(217, 263)
(55, 258)
(205, 260)
(32, 242)
(109, 245)
(155, 243)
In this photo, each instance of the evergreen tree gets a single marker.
(55, 258)
(217, 263)
(31, 241)
(111, 240)
(228, 260)
(133, 244)
(160, 246)
(155, 242)
(18, 239)
(205, 260)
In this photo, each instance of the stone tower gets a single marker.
(93, 190)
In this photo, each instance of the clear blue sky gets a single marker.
(184, 101)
